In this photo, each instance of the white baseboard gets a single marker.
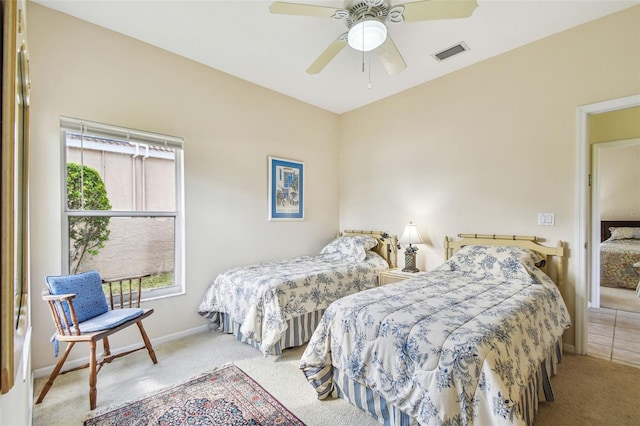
(46, 371)
(568, 348)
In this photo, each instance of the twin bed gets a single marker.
(277, 305)
(474, 341)
(619, 250)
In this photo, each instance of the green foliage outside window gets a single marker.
(87, 235)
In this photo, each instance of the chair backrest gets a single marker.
(124, 292)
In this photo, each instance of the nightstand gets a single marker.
(394, 275)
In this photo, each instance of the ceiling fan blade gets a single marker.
(390, 57)
(304, 10)
(326, 56)
(427, 10)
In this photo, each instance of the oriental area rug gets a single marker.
(226, 396)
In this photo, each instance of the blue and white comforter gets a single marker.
(262, 297)
(444, 347)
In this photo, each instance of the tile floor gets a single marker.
(614, 335)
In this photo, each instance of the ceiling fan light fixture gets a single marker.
(367, 34)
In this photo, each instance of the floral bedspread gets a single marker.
(262, 297)
(616, 263)
(443, 347)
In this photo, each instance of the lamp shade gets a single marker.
(367, 34)
(411, 235)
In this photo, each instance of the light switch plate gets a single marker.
(546, 219)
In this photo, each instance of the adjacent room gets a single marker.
(464, 163)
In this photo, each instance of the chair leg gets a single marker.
(147, 342)
(106, 346)
(55, 373)
(93, 391)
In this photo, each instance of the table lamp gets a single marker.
(410, 236)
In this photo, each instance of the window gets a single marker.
(122, 207)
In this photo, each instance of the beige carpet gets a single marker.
(621, 299)
(592, 391)
(587, 390)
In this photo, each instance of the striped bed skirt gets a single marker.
(298, 332)
(538, 389)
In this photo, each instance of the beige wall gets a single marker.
(484, 149)
(230, 127)
(615, 125)
(619, 179)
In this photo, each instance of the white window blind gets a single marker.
(123, 134)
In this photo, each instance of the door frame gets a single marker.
(583, 210)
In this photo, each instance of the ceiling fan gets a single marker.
(367, 20)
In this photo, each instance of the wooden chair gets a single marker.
(79, 309)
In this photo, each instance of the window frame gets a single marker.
(78, 126)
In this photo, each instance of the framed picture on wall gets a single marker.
(286, 189)
(14, 230)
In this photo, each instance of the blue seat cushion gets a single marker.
(110, 319)
(90, 300)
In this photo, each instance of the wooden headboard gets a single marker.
(606, 224)
(550, 254)
(387, 244)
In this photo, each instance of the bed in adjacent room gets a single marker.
(277, 305)
(619, 250)
(474, 341)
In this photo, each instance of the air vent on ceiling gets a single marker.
(451, 51)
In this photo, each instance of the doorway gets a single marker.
(583, 222)
(614, 172)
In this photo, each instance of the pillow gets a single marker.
(354, 247)
(625, 233)
(90, 300)
(500, 263)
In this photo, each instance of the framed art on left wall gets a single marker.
(14, 230)
(286, 189)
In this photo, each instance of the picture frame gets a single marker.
(15, 326)
(286, 189)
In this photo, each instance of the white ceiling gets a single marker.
(243, 39)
